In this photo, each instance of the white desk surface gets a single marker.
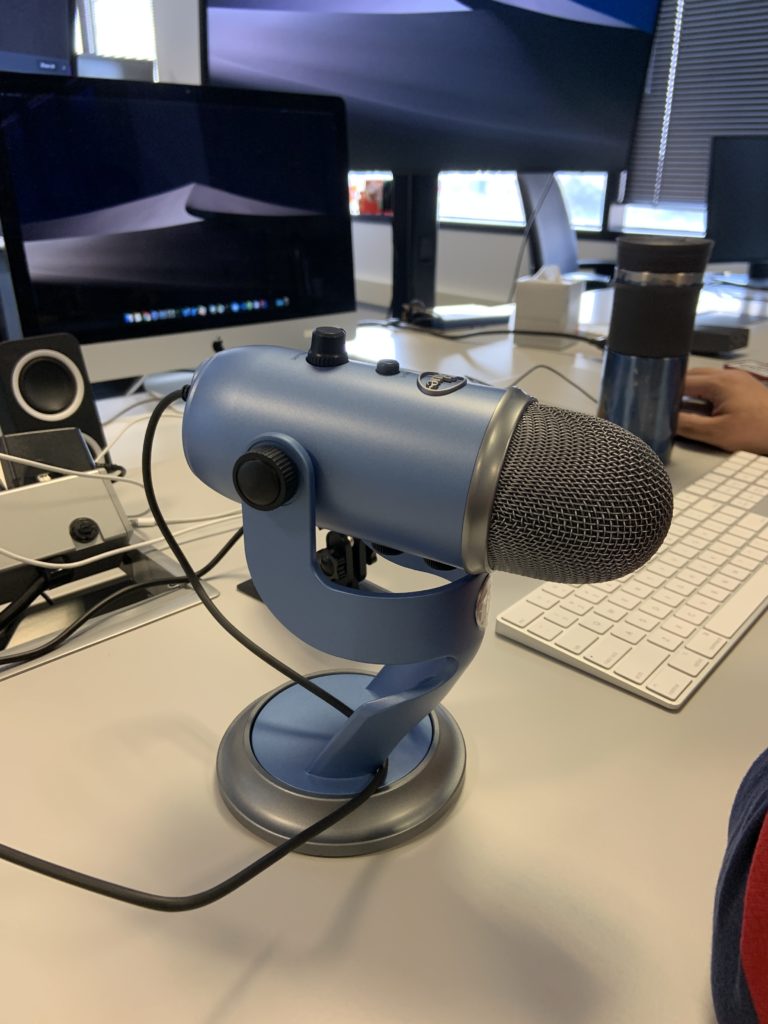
(572, 883)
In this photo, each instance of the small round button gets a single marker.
(387, 367)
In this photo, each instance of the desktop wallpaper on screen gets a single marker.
(489, 84)
(171, 207)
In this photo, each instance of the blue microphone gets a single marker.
(433, 471)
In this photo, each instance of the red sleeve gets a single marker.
(754, 930)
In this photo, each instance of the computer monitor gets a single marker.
(151, 220)
(37, 36)
(737, 205)
(430, 85)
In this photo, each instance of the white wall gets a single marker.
(472, 266)
(177, 34)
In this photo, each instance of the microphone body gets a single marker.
(456, 472)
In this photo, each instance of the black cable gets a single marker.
(13, 612)
(162, 526)
(19, 658)
(171, 904)
(589, 338)
(194, 901)
(220, 554)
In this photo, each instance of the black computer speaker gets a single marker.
(44, 384)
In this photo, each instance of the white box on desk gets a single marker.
(548, 303)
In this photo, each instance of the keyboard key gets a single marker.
(732, 615)
(661, 567)
(702, 604)
(690, 576)
(560, 617)
(625, 631)
(677, 561)
(522, 613)
(650, 579)
(642, 620)
(750, 564)
(653, 607)
(726, 582)
(705, 643)
(700, 566)
(753, 521)
(611, 611)
(669, 597)
(576, 639)
(606, 651)
(625, 600)
(679, 626)
(735, 572)
(669, 683)
(693, 615)
(597, 623)
(664, 638)
(689, 662)
(576, 605)
(638, 589)
(640, 661)
(545, 629)
(722, 548)
(680, 586)
(743, 535)
(713, 558)
(660, 631)
(542, 600)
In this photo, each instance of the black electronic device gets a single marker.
(63, 447)
(737, 205)
(721, 333)
(37, 36)
(472, 86)
(135, 210)
(44, 385)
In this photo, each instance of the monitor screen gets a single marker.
(135, 210)
(448, 85)
(737, 202)
(36, 36)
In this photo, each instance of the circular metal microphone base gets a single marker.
(414, 797)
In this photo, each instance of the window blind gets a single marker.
(708, 76)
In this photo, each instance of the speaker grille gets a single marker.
(579, 500)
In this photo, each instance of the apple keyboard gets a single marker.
(660, 631)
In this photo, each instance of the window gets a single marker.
(116, 28)
(706, 77)
(487, 197)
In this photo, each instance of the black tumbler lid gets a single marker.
(661, 254)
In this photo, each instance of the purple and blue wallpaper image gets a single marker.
(489, 84)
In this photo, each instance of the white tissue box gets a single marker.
(546, 302)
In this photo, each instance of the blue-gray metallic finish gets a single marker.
(378, 459)
(394, 465)
(424, 638)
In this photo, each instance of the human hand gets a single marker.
(739, 417)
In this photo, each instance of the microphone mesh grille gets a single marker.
(578, 500)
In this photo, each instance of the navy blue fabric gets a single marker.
(733, 1004)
